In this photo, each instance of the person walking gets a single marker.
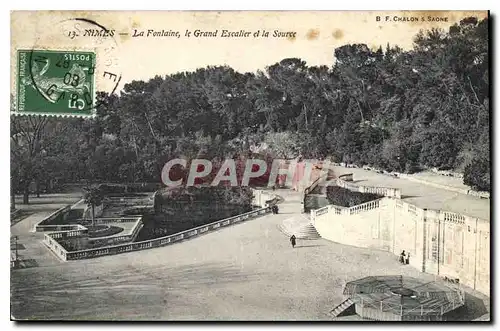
(292, 240)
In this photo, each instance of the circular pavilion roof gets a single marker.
(403, 295)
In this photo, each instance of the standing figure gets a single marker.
(292, 240)
(402, 257)
(408, 258)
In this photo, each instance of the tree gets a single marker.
(395, 109)
(93, 197)
(26, 136)
(477, 174)
(284, 145)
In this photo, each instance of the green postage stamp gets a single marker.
(56, 83)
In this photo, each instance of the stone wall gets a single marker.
(48, 222)
(384, 191)
(261, 198)
(366, 225)
(439, 242)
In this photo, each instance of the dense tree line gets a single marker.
(393, 109)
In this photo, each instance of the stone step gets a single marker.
(306, 231)
(347, 306)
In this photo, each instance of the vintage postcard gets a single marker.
(250, 166)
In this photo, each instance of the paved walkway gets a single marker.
(31, 250)
(247, 271)
(454, 182)
(244, 272)
(424, 196)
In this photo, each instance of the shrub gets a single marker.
(210, 195)
(343, 197)
(477, 174)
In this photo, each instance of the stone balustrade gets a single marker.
(78, 231)
(321, 211)
(111, 240)
(447, 173)
(117, 220)
(340, 210)
(347, 177)
(364, 207)
(54, 246)
(43, 224)
(49, 239)
(315, 183)
(481, 194)
(484, 195)
(384, 191)
(441, 242)
(262, 198)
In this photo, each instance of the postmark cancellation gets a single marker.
(54, 82)
(58, 72)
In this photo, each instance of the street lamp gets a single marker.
(15, 261)
(16, 248)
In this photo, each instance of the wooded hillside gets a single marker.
(393, 109)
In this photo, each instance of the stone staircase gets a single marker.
(314, 196)
(302, 228)
(345, 308)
